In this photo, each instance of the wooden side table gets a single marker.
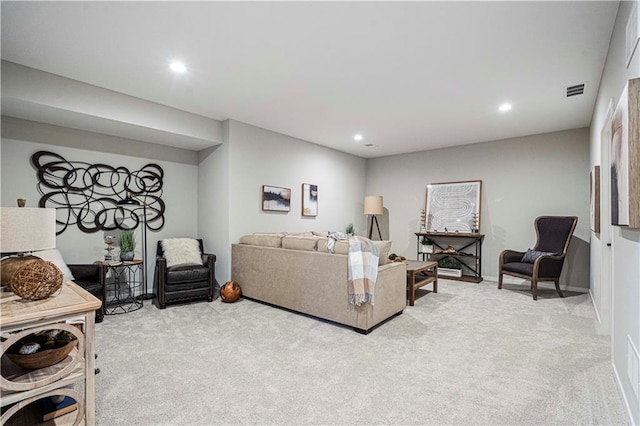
(420, 274)
(23, 317)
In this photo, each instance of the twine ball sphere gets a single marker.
(36, 280)
(230, 292)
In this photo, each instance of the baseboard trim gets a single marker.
(595, 308)
(623, 395)
(507, 279)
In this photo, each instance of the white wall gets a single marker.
(180, 193)
(623, 284)
(522, 178)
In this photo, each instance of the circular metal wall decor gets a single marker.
(87, 194)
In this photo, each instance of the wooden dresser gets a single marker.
(19, 318)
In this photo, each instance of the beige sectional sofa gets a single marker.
(298, 272)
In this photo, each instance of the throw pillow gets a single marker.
(181, 251)
(384, 247)
(531, 255)
(54, 256)
(264, 240)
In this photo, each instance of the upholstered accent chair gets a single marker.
(184, 282)
(544, 262)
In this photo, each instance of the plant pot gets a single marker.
(450, 272)
(127, 256)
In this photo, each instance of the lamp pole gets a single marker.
(130, 201)
(146, 295)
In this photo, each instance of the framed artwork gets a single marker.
(620, 162)
(453, 206)
(625, 158)
(275, 198)
(594, 199)
(309, 199)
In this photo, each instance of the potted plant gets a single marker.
(350, 229)
(127, 245)
(426, 245)
(451, 267)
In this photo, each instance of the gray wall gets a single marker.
(261, 157)
(616, 293)
(522, 178)
(213, 203)
(18, 180)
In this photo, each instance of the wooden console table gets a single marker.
(462, 247)
(20, 318)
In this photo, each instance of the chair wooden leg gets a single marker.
(557, 282)
(534, 288)
(500, 280)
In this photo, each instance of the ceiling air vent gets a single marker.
(575, 90)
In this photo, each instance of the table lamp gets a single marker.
(23, 230)
(373, 206)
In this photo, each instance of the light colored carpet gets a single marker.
(469, 354)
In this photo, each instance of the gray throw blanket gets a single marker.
(363, 270)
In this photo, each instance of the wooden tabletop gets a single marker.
(71, 299)
(417, 266)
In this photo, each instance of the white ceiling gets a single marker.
(409, 76)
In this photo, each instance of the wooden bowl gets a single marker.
(42, 359)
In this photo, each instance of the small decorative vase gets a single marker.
(230, 292)
(127, 256)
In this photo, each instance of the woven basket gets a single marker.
(44, 358)
(36, 280)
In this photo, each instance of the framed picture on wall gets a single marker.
(276, 199)
(594, 199)
(453, 206)
(309, 199)
(625, 158)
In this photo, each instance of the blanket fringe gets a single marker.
(361, 299)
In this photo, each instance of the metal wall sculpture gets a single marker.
(88, 194)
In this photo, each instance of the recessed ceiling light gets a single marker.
(504, 107)
(357, 137)
(177, 66)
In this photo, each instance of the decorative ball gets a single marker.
(230, 292)
(36, 280)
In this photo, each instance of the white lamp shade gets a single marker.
(373, 204)
(25, 229)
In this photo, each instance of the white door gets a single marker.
(606, 229)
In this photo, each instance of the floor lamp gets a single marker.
(373, 206)
(130, 201)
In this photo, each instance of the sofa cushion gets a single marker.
(181, 251)
(187, 274)
(384, 247)
(296, 242)
(323, 234)
(264, 240)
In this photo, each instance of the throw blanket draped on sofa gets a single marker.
(363, 270)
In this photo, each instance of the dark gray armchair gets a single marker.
(544, 262)
(91, 277)
(187, 282)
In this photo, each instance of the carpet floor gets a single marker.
(469, 354)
